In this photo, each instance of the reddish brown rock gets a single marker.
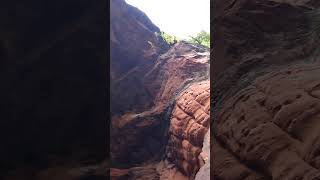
(272, 124)
(265, 98)
(135, 45)
(147, 77)
(172, 71)
(188, 125)
(134, 39)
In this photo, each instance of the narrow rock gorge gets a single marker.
(160, 101)
(265, 76)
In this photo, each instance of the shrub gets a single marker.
(168, 38)
(202, 38)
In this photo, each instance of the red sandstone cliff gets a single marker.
(160, 100)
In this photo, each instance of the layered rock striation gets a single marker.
(265, 81)
(172, 72)
(189, 123)
(152, 85)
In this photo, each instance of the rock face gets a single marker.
(53, 81)
(189, 123)
(136, 173)
(204, 171)
(265, 81)
(172, 71)
(135, 46)
(153, 81)
(150, 83)
(133, 38)
(162, 170)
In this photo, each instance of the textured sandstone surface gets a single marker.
(189, 123)
(152, 85)
(265, 120)
(133, 35)
(274, 123)
(139, 134)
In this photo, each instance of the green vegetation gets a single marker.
(168, 38)
(202, 38)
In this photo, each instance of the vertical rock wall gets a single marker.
(265, 78)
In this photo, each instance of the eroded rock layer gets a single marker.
(273, 123)
(265, 99)
(135, 45)
(188, 125)
(147, 77)
(142, 133)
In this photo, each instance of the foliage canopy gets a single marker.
(168, 38)
(202, 38)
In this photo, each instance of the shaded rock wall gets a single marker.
(171, 73)
(53, 77)
(135, 45)
(265, 79)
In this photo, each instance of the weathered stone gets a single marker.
(265, 81)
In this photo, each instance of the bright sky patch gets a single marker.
(181, 18)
